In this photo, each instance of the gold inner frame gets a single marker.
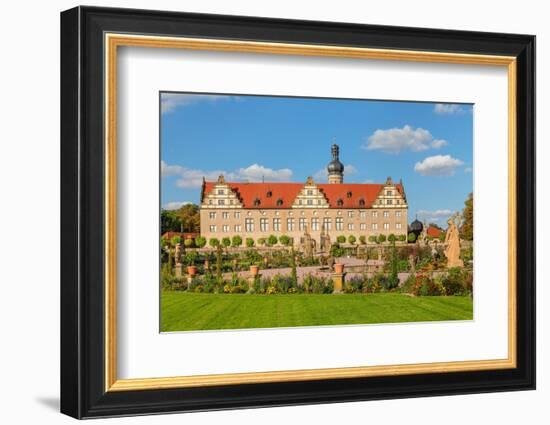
(113, 41)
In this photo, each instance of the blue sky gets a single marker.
(247, 138)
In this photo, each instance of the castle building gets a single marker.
(257, 210)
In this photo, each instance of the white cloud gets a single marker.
(192, 178)
(170, 101)
(435, 216)
(438, 165)
(175, 205)
(448, 109)
(395, 140)
(322, 175)
(468, 169)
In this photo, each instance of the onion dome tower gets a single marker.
(335, 168)
(416, 227)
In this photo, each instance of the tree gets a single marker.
(363, 239)
(284, 240)
(249, 242)
(373, 239)
(200, 241)
(236, 241)
(467, 228)
(189, 242)
(226, 242)
(169, 222)
(175, 240)
(189, 218)
(382, 238)
(261, 241)
(402, 238)
(352, 239)
(412, 237)
(341, 239)
(214, 242)
(392, 238)
(272, 240)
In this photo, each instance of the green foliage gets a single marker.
(214, 242)
(363, 239)
(200, 241)
(185, 219)
(249, 242)
(467, 228)
(189, 258)
(272, 240)
(352, 239)
(412, 237)
(226, 242)
(337, 251)
(284, 240)
(341, 239)
(382, 238)
(189, 243)
(237, 241)
(175, 240)
(261, 241)
(402, 238)
(373, 239)
(391, 238)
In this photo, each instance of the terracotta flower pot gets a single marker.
(338, 268)
(191, 270)
(254, 270)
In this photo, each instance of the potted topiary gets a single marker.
(192, 270)
(254, 270)
(338, 268)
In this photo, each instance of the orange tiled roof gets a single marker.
(434, 232)
(350, 194)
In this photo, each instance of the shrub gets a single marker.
(226, 242)
(352, 239)
(284, 240)
(455, 282)
(408, 285)
(261, 241)
(175, 240)
(424, 286)
(412, 237)
(341, 239)
(392, 238)
(200, 241)
(382, 238)
(363, 239)
(214, 242)
(337, 251)
(189, 243)
(272, 240)
(373, 239)
(402, 238)
(237, 241)
(249, 242)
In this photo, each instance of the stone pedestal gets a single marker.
(178, 270)
(338, 279)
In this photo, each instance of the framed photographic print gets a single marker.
(261, 212)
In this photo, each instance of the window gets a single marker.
(221, 201)
(389, 192)
(290, 224)
(350, 226)
(310, 192)
(212, 228)
(212, 215)
(279, 202)
(398, 201)
(210, 202)
(386, 226)
(302, 224)
(363, 214)
(264, 225)
(339, 223)
(398, 226)
(300, 202)
(231, 202)
(315, 223)
(363, 226)
(374, 214)
(221, 192)
(225, 215)
(310, 201)
(398, 213)
(276, 224)
(327, 223)
(249, 224)
(348, 194)
(361, 202)
(269, 194)
(386, 213)
(374, 226)
(318, 202)
(238, 214)
(389, 201)
(226, 228)
(350, 214)
(237, 228)
(257, 201)
(340, 202)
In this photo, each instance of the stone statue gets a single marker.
(325, 241)
(308, 245)
(452, 249)
(177, 254)
(412, 263)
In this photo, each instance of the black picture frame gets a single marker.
(82, 212)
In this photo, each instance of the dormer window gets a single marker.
(269, 193)
(361, 202)
(279, 202)
(348, 194)
(257, 202)
(340, 202)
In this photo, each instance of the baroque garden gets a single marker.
(260, 255)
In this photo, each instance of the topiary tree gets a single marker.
(382, 238)
(272, 240)
(284, 240)
(189, 243)
(214, 242)
(412, 237)
(237, 241)
(363, 239)
(200, 241)
(402, 238)
(391, 238)
(249, 242)
(226, 242)
(175, 240)
(261, 241)
(352, 239)
(373, 239)
(341, 239)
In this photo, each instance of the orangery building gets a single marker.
(257, 210)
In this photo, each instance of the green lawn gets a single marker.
(181, 311)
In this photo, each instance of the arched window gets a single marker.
(348, 194)
(361, 202)
(279, 202)
(269, 193)
(256, 202)
(340, 202)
